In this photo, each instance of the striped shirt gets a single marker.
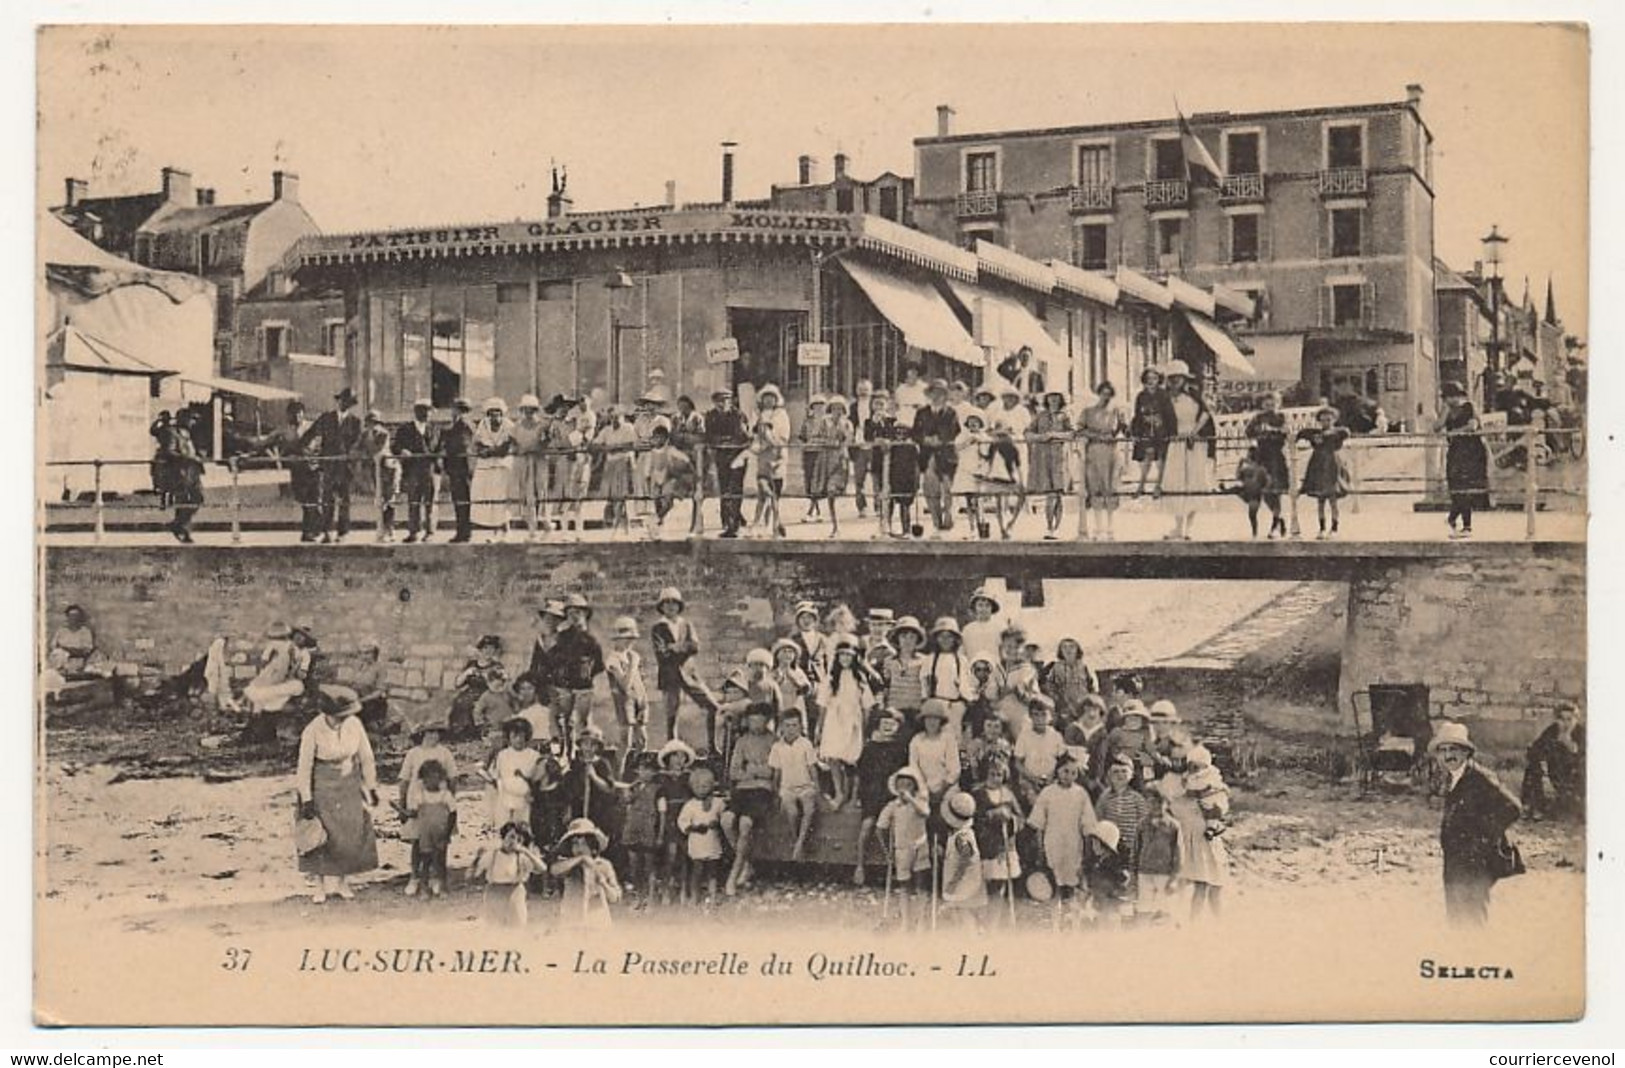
(1128, 809)
(905, 686)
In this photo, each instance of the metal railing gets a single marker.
(549, 493)
(1242, 187)
(1166, 192)
(978, 204)
(1341, 181)
(1091, 197)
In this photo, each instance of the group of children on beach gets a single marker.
(980, 773)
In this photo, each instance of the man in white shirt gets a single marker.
(909, 397)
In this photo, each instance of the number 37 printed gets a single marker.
(236, 960)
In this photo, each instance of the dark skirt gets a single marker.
(350, 847)
(1322, 478)
(1272, 458)
(1467, 471)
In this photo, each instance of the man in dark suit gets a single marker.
(936, 426)
(457, 443)
(1477, 812)
(417, 443)
(340, 434)
(725, 438)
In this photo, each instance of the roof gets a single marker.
(202, 217)
(1200, 119)
(116, 214)
(76, 263)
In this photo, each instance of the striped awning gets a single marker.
(1134, 284)
(911, 246)
(1004, 324)
(1188, 296)
(1076, 280)
(1000, 262)
(1232, 362)
(918, 310)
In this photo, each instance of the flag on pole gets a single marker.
(1200, 166)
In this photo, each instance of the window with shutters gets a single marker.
(1348, 304)
(1095, 165)
(1244, 243)
(1345, 146)
(1346, 232)
(205, 252)
(1241, 153)
(981, 172)
(1089, 246)
(1168, 238)
(1167, 159)
(888, 203)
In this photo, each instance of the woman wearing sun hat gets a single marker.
(770, 440)
(1188, 479)
(590, 885)
(1151, 427)
(493, 446)
(530, 433)
(1478, 810)
(337, 779)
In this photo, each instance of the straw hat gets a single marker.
(846, 643)
(1108, 833)
(589, 733)
(803, 608)
(576, 600)
(760, 656)
(958, 808)
(1162, 712)
(934, 708)
(584, 828)
(551, 607)
(625, 627)
(530, 400)
(785, 643)
(982, 593)
(338, 701)
(421, 729)
(496, 404)
(1135, 707)
(769, 390)
(1449, 733)
(948, 624)
(909, 623)
(1176, 368)
(668, 594)
(676, 745)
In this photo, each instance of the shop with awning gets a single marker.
(1229, 360)
(917, 309)
(1004, 325)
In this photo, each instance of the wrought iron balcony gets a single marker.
(980, 204)
(1091, 198)
(1242, 187)
(1166, 192)
(1342, 181)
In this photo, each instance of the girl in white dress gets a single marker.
(844, 700)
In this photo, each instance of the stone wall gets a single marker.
(426, 605)
(1498, 638)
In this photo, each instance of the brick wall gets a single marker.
(162, 606)
(1499, 640)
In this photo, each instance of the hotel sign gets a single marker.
(610, 225)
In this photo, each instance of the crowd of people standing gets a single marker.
(920, 456)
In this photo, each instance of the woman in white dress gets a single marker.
(1188, 473)
(493, 446)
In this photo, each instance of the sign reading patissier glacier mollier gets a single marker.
(608, 225)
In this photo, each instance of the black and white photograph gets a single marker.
(828, 524)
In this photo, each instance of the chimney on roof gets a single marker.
(177, 185)
(1413, 95)
(285, 186)
(671, 192)
(728, 171)
(77, 189)
(840, 164)
(945, 120)
(558, 201)
(205, 197)
(804, 170)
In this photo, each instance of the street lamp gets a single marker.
(617, 282)
(1493, 242)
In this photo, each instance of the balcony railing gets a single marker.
(979, 204)
(1242, 187)
(1342, 181)
(1091, 198)
(1166, 192)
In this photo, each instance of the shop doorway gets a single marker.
(767, 346)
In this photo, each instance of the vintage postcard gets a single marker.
(811, 524)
